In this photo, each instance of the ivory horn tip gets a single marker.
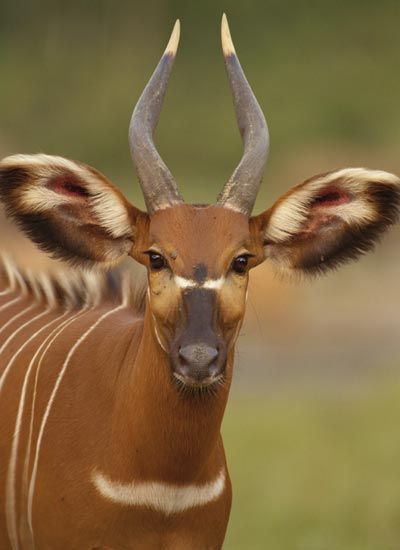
(172, 45)
(227, 45)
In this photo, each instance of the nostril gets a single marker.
(198, 355)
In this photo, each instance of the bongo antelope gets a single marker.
(111, 405)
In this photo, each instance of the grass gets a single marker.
(315, 472)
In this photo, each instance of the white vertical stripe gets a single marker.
(10, 286)
(49, 341)
(10, 272)
(14, 536)
(11, 361)
(7, 290)
(15, 317)
(8, 304)
(157, 334)
(10, 480)
(51, 401)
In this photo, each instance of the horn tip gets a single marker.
(172, 45)
(227, 45)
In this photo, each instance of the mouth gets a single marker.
(206, 385)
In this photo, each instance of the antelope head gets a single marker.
(198, 257)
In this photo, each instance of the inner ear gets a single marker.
(331, 196)
(69, 186)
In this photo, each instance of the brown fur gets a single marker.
(102, 401)
(118, 408)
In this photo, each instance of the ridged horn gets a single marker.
(241, 190)
(157, 183)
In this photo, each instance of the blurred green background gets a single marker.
(312, 429)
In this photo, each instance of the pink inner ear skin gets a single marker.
(68, 186)
(331, 196)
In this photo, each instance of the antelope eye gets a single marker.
(157, 261)
(239, 264)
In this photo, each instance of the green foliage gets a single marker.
(315, 472)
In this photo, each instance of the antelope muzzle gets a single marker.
(198, 353)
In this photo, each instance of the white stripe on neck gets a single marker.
(161, 497)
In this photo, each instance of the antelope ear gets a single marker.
(67, 208)
(329, 219)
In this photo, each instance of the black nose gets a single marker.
(199, 363)
(198, 355)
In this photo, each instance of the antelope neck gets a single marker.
(175, 437)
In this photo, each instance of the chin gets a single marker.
(192, 386)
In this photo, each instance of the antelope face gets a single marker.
(198, 258)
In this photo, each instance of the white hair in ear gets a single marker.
(289, 216)
(108, 207)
